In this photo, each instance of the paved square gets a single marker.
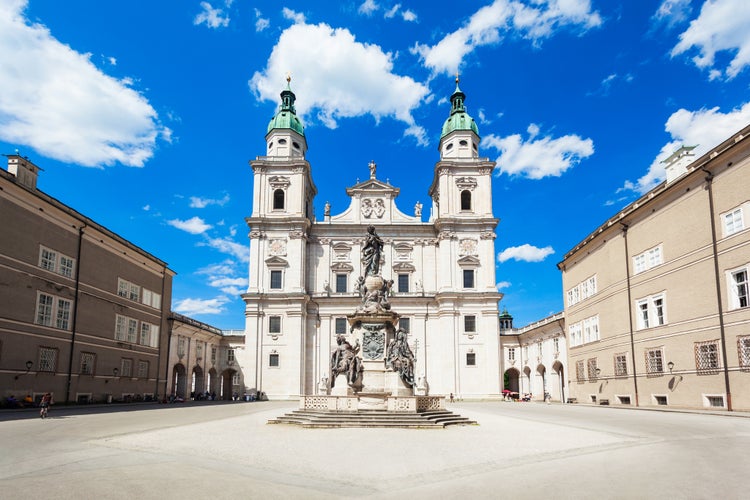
(228, 451)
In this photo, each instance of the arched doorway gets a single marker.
(558, 389)
(226, 384)
(197, 384)
(540, 385)
(213, 382)
(179, 380)
(510, 380)
(526, 384)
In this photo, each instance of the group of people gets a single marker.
(28, 402)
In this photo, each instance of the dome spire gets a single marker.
(459, 119)
(286, 116)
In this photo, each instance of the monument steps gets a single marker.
(438, 419)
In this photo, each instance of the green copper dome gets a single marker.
(459, 118)
(286, 117)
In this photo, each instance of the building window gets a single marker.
(341, 283)
(128, 290)
(580, 375)
(149, 335)
(648, 260)
(126, 367)
(556, 345)
(213, 355)
(468, 278)
(651, 311)
(661, 400)
(152, 299)
(340, 326)
(582, 291)
(743, 351)
(471, 359)
(539, 350)
(470, 324)
(591, 329)
(733, 222)
(276, 280)
(273, 360)
(236, 379)
(621, 365)
(47, 359)
(278, 199)
(403, 283)
(181, 346)
(56, 262)
(707, 356)
(230, 355)
(53, 311)
(655, 361)
(738, 288)
(511, 354)
(466, 200)
(405, 323)
(274, 324)
(142, 369)
(575, 334)
(591, 365)
(88, 359)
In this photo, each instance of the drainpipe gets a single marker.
(74, 319)
(169, 334)
(709, 184)
(630, 310)
(170, 322)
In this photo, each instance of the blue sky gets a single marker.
(144, 114)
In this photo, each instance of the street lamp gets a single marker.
(598, 372)
(29, 364)
(670, 365)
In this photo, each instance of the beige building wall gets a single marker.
(83, 312)
(670, 329)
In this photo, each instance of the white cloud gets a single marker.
(392, 11)
(211, 17)
(224, 276)
(409, 16)
(146, 208)
(368, 7)
(196, 202)
(229, 247)
(335, 76)
(261, 23)
(502, 284)
(191, 307)
(62, 105)
(295, 17)
(489, 24)
(704, 128)
(672, 12)
(525, 253)
(722, 25)
(195, 225)
(538, 158)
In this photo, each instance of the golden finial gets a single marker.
(288, 77)
(457, 78)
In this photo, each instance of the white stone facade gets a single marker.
(303, 272)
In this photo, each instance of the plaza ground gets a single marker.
(520, 450)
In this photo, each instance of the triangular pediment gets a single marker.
(342, 267)
(373, 187)
(276, 261)
(469, 260)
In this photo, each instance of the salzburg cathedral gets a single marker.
(306, 276)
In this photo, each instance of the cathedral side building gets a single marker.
(304, 272)
(656, 298)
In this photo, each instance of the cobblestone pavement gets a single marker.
(521, 450)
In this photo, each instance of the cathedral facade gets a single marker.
(304, 272)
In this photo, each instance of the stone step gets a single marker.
(437, 419)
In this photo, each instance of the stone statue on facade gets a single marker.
(345, 360)
(372, 252)
(399, 358)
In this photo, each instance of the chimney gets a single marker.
(25, 172)
(677, 163)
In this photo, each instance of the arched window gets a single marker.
(466, 200)
(278, 199)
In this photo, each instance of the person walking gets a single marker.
(44, 405)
